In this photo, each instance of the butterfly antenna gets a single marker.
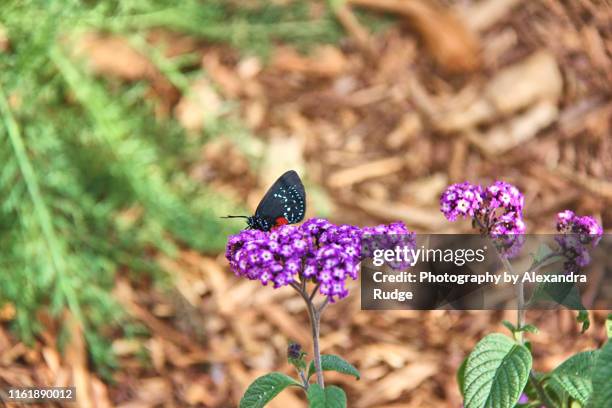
(236, 216)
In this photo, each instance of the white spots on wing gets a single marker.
(292, 201)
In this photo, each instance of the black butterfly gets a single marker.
(284, 203)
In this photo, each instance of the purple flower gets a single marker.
(461, 200)
(564, 220)
(497, 210)
(316, 251)
(502, 210)
(385, 237)
(504, 195)
(576, 234)
(587, 228)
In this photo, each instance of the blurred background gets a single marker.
(128, 127)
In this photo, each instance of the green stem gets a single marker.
(315, 321)
(520, 301)
(520, 322)
(314, 314)
(41, 211)
(165, 65)
(303, 379)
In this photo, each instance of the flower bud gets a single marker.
(295, 356)
(294, 351)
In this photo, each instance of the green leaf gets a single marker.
(583, 317)
(555, 391)
(602, 373)
(563, 293)
(496, 372)
(529, 328)
(525, 328)
(543, 251)
(574, 375)
(509, 326)
(330, 397)
(461, 377)
(298, 363)
(530, 390)
(265, 388)
(330, 362)
(609, 326)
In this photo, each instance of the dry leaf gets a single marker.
(425, 218)
(535, 79)
(111, 55)
(125, 347)
(7, 312)
(427, 190)
(518, 130)
(365, 171)
(326, 61)
(76, 359)
(454, 47)
(483, 14)
(282, 154)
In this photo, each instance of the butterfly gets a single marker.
(284, 203)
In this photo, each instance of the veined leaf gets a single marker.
(601, 378)
(574, 375)
(328, 397)
(496, 372)
(265, 388)
(565, 294)
(330, 362)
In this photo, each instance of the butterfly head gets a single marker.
(258, 223)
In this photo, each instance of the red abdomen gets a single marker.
(280, 221)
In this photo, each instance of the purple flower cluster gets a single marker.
(335, 257)
(386, 237)
(577, 233)
(497, 210)
(316, 251)
(587, 227)
(503, 209)
(461, 200)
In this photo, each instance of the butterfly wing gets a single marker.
(285, 201)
